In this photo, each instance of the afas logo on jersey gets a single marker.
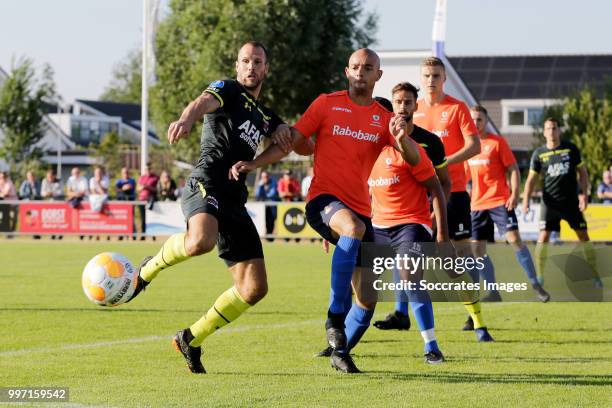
(250, 134)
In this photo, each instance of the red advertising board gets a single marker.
(50, 217)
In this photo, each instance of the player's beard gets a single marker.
(407, 118)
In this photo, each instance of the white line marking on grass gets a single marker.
(239, 329)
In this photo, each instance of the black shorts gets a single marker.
(551, 216)
(482, 222)
(401, 237)
(459, 218)
(238, 238)
(319, 212)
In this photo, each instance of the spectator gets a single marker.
(125, 186)
(30, 188)
(181, 187)
(76, 188)
(51, 188)
(7, 188)
(166, 187)
(604, 190)
(8, 192)
(98, 189)
(306, 183)
(288, 187)
(266, 191)
(147, 191)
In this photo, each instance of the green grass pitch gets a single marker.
(556, 354)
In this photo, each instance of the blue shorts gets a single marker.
(483, 220)
(321, 209)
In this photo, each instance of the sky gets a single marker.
(83, 40)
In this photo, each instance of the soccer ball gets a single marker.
(109, 279)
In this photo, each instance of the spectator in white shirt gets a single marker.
(51, 188)
(76, 187)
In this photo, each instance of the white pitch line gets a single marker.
(148, 339)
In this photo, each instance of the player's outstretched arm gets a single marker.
(438, 201)
(529, 186)
(471, 147)
(583, 185)
(515, 182)
(445, 182)
(272, 154)
(403, 143)
(203, 104)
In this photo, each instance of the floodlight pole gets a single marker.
(144, 116)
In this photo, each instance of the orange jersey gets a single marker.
(349, 140)
(451, 121)
(488, 173)
(398, 197)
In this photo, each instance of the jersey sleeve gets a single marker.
(438, 155)
(535, 164)
(424, 169)
(506, 155)
(275, 121)
(576, 156)
(225, 91)
(310, 122)
(466, 123)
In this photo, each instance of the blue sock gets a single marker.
(474, 273)
(401, 300)
(424, 316)
(348, 301)
(524, 257)
(357, 322)
(343, 263)
(488, 272)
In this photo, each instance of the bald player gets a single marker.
(352, 129)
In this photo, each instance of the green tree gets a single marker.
(586, 121)
(309, 42)
(125, 87)
(109, 153)
(23, 98)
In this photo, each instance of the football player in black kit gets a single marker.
(213, 203)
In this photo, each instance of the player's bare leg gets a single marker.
(250, 286)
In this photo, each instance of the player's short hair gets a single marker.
(433, 62)
(385, 103)
(407, 87)
(258, 44)
(479, 108)
(552, 119)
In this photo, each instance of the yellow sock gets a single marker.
(171, 253)
(227, 308)
(474, 311)
(591, 257)
(541, 253)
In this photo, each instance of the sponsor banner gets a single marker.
(56, 217)
(166, 218)
(599, 224)
(291, 221)
(257, 211)
(7, 215)
(528, 224)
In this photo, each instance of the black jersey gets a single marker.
(230, 134)
(558, 167)
(432, 144)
